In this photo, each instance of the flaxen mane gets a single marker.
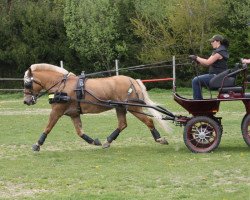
(35, 67)
(48, 67)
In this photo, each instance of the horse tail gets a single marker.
(156, 114)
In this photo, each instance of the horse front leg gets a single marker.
(122, 124)
(78, 126)
(54, 116)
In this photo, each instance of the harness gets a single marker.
(80, 90)
(58, 96)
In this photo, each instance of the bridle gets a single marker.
(29, 82)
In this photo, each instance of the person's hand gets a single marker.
(245, 61)
(193, 57)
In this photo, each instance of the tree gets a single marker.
(33, 32)
(151, 25)
(233, 25)
(183, 27)
(92, 29)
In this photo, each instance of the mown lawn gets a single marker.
(135, 167)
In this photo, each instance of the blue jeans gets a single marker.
(198, 82)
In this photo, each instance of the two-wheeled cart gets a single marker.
(203, 130)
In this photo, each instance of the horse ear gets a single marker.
(29, 72)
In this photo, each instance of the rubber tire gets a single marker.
(245, 129)
(199, 147)
(243, 119)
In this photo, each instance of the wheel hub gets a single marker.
(203, 134)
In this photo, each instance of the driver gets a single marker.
(217, 63)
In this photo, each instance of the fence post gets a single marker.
(61, 64)
(174, 75)
(116, 67)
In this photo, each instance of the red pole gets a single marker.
(157, 80)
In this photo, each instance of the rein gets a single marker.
(63, 80)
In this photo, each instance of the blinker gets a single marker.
(28, 83)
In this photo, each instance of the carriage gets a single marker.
(203, 130)
(72, 95)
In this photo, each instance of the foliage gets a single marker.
(183, 27)
(151, 25)
(33, 32)
(237, 17)
(92, 29)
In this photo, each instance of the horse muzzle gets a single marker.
(30, 101)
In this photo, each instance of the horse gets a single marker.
(73, 95)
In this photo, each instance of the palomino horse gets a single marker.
(73, 95)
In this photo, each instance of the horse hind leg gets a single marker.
(137, 112)
(122, 124)
(78, 126)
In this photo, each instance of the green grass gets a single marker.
(135, 167)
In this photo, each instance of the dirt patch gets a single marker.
(230, 178)
(10, 190)
(24, 112)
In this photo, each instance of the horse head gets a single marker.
(32, 87)
(42, 77)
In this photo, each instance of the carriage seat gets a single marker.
(231, 89)
(222, 80)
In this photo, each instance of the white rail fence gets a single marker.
(116, 70)
(11, 89)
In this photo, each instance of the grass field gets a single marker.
(135, 167)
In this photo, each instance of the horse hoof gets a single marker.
(36, 147)
(162, 141)
(97, 142)
(106, 145)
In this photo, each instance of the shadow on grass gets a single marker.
(117, 149)
(241, 149)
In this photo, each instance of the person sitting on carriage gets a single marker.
(217, 63)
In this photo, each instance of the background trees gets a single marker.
(89, 35)
(184, 27)
(32, 32)
(100, 31)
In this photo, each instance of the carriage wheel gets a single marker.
(202, 134)
(243, 119)
(245, 129)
